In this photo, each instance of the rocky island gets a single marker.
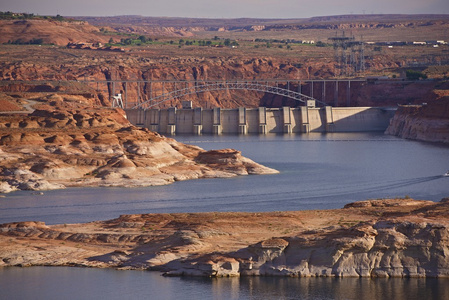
(374, 238)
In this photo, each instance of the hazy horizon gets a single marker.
(272, 9)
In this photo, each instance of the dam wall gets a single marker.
(262, 120)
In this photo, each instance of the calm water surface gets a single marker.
(75, 283)
(317, 172)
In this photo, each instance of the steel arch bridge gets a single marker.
(207, 86)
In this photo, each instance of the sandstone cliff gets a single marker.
(375, 238)
(429, 122)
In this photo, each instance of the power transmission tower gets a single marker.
(349, 55)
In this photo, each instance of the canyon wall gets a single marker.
(87, 75)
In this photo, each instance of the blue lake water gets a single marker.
(77, 283)
(317, 171)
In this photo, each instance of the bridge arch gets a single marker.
(201, 87)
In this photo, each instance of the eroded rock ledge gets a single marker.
(376, 238)
(55, 148)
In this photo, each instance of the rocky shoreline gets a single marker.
(374, 238)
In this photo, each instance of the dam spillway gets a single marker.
(262, 120)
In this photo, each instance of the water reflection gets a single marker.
(324, 288)
(81, 283)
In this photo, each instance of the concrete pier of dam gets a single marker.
(262, 120)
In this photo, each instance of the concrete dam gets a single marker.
(261, 120)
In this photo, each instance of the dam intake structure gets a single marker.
(261, 120)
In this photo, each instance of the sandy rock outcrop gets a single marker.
(55, 148)
(375, 238)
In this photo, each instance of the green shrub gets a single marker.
(415, 75)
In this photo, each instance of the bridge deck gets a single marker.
(159, 91)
